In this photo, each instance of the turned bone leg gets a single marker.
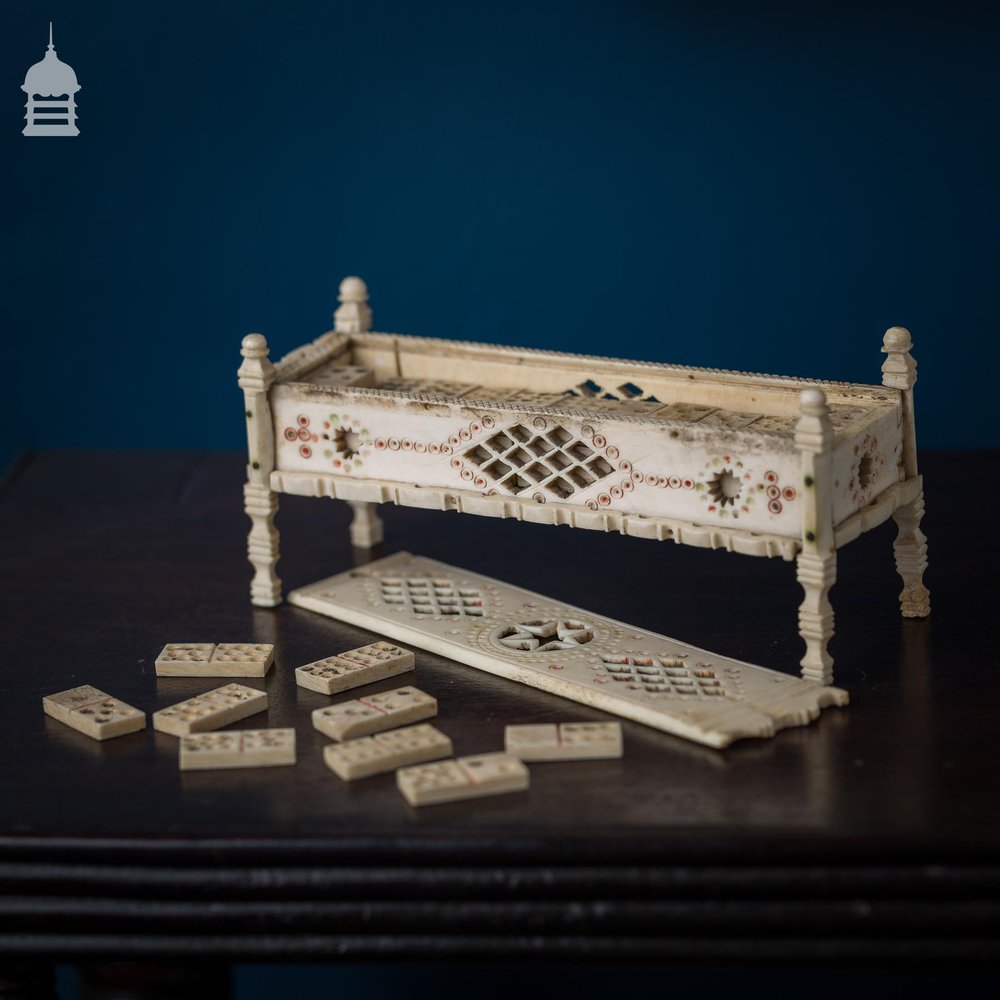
(899, 371)
(817, 561)
(816, 576)
(366, 527)
(910, 547)
(260, 502)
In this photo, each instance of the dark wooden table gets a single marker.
(871, 834)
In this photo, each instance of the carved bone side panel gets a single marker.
(711, 475)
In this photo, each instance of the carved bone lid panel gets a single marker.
(568, 651)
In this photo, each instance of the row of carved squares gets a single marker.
(427, 387)
(336, 373)
(679, 676)
(632, 406)
(660, 674)
(516, 395)
(429, 596)
(439, 585)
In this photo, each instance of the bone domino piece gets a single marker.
(94, 713)
(364, 665)
(208, 659)
(566, 741)
(463, 778)
(374, 713)
(237, 748)
(211, 710)
(385, 752)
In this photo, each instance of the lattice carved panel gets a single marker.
(553, 461)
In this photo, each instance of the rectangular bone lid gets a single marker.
(545, 643)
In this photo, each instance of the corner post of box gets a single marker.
(354, 315)
(899, 371)
(256, 375)
(817, 560)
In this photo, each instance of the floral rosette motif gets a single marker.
(867, 470)
(728, 488)
(341, 440)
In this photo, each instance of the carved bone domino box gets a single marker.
(756, 464)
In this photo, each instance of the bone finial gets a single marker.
(254, 346)
(353, 315)
(899, 370)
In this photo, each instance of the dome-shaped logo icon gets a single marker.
(51, 87)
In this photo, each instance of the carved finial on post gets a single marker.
(817, 562)
(899, 371)
(353, 315)
(813, 432)
(256, 373)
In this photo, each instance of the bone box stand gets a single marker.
(762, 465)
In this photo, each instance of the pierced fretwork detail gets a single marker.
(517, 459)
(427, 596)
(543, 636)
(661, 674)
(628, 391)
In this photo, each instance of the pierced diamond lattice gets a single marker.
(554, 461)
(428, 596)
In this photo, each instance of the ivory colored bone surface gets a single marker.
(374, 713)
(94, 713)
(757, 464)
(384, 752)
(463, 778)
(208, 659)
(545, 643)
(352, 669)
(237, 748)
(211, 710)
(565, 741)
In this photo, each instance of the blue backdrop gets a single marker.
(761, 186)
